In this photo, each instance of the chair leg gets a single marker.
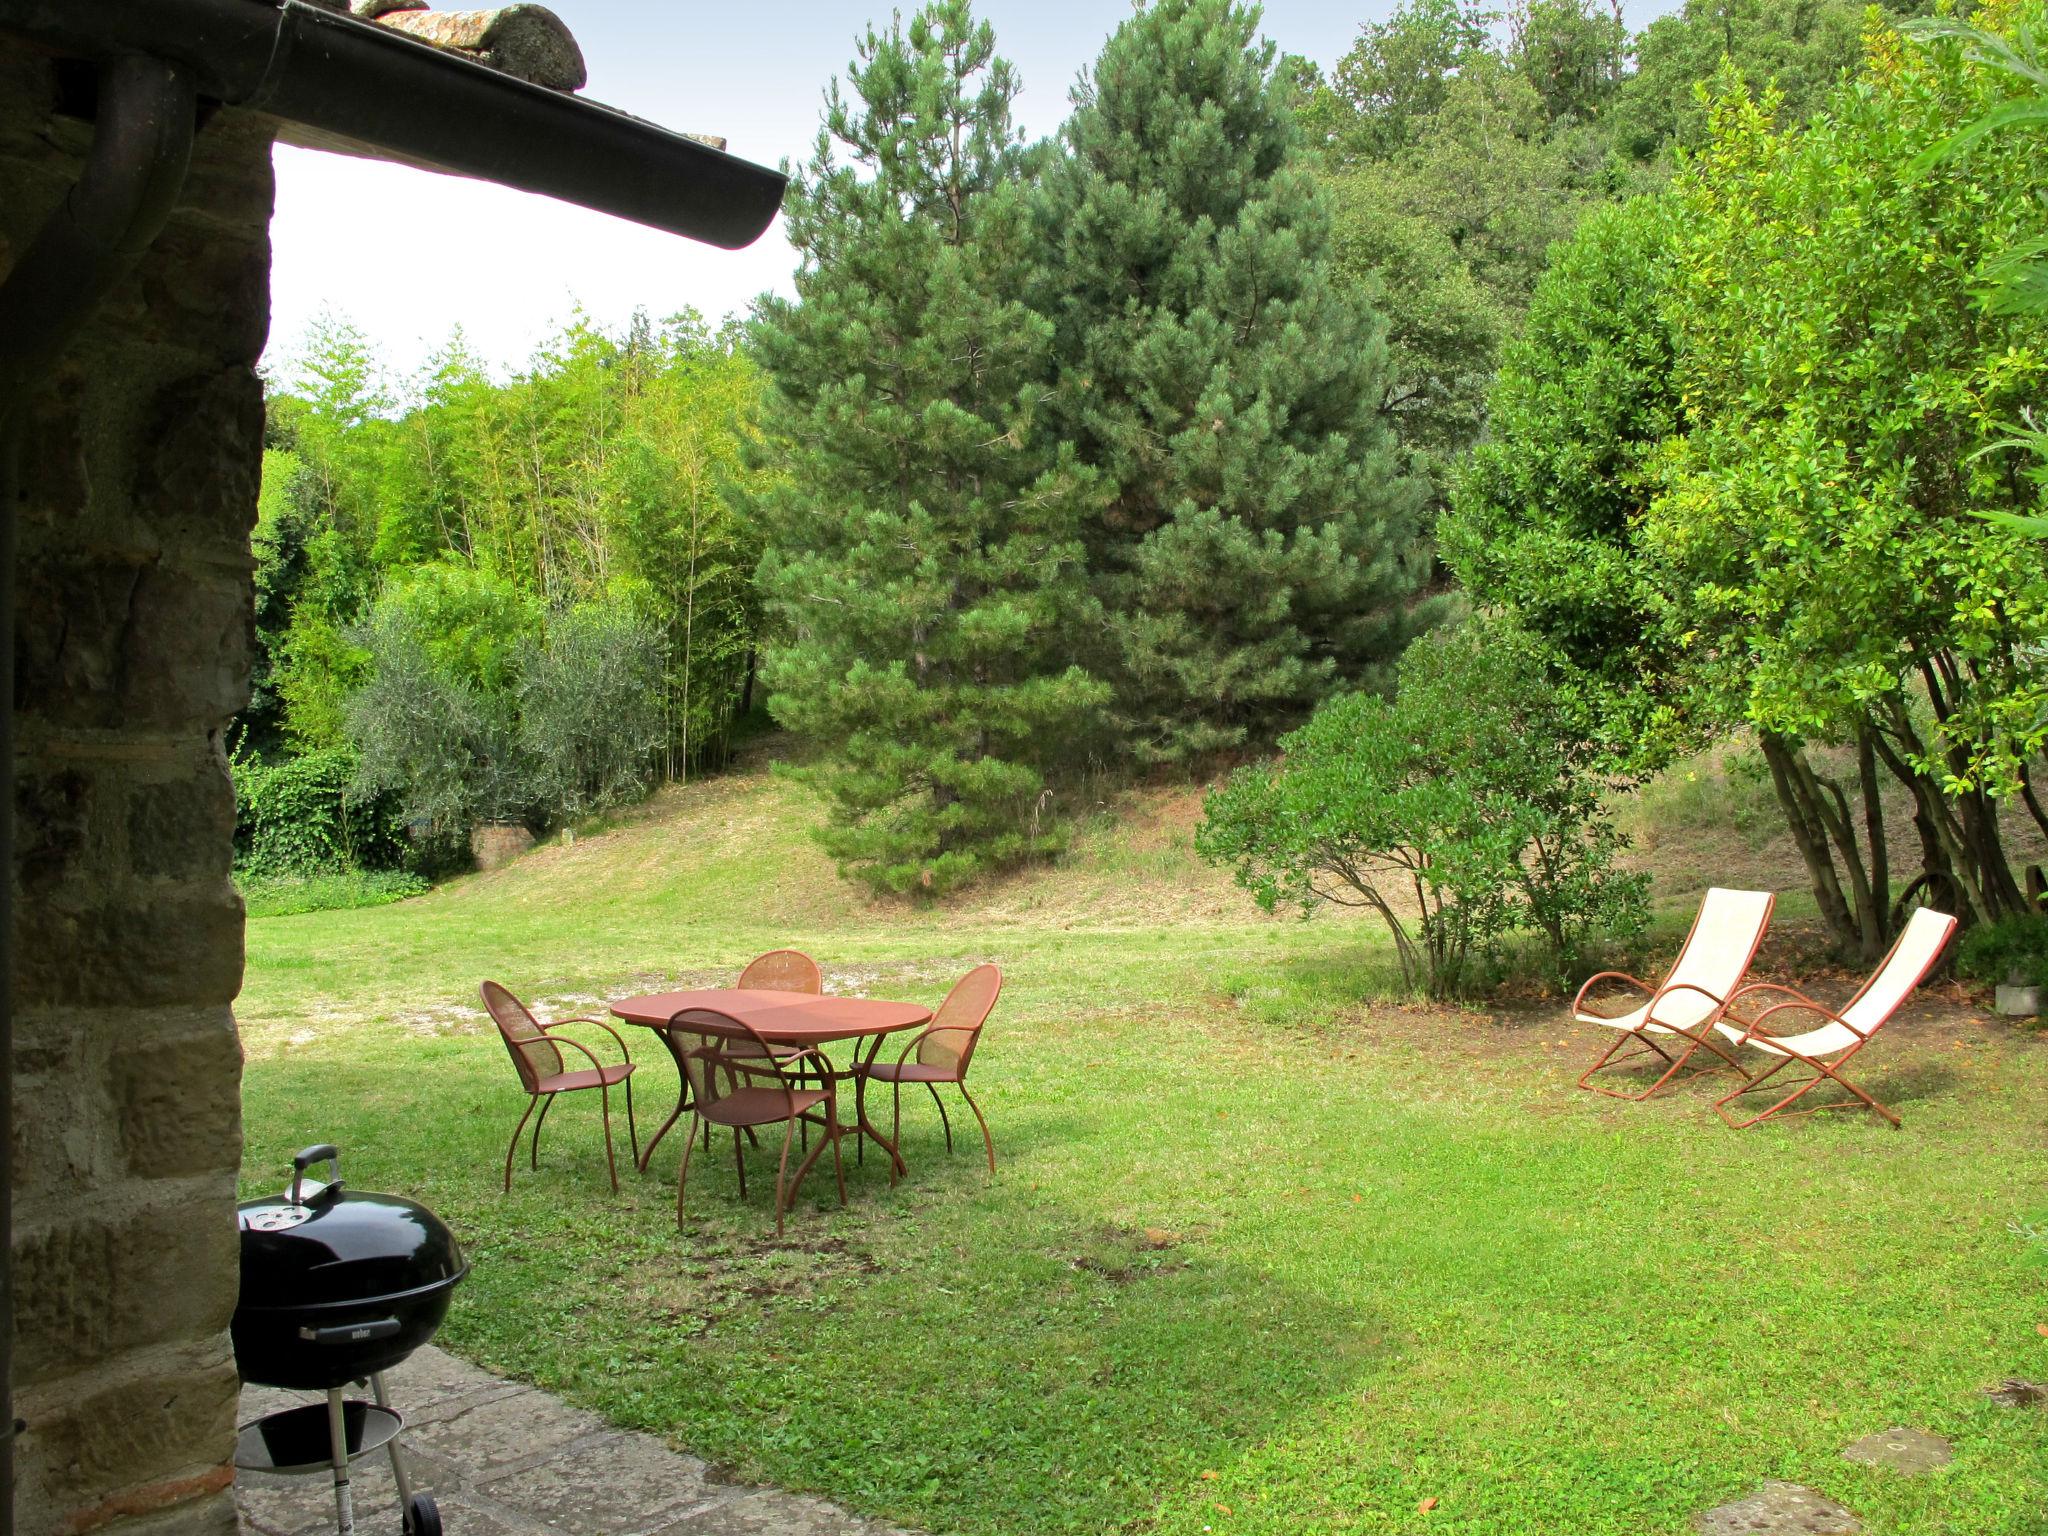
(512, 1151)
(1822, 1073)
(933, 1090)
(895, 1127)
(1693, 1045)
(782, 1173)
(860, 1118)
(604, 1099)
(1622, 1037)
(987, 1140)
(548, 1103)
(632, 1130)
(739, 1161)
(683, 1178)
(838, 1164)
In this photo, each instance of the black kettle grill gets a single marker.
(338, 1286)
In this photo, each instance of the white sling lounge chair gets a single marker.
(1838, 1035)
(1680, 1011)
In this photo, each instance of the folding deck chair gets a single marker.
(1683, 1007)
(1840, 1035)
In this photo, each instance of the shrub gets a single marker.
(304, 816)
(436, 724)
(1461, 811)
(1993, 952)
(590, 711)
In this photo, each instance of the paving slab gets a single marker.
(769, 1512)
(2015, 1393)
(482, 1435)
(1910, 1451)
(502, 1459)
(1779, 1509)
(612, 1484)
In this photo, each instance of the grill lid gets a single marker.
(319, 1245)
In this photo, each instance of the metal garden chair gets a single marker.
(783, 970)
(1680, 1011)
(1827, 1047)
(944, 1050)
(739, 1080)
(536, 1051)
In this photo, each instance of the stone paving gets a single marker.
(1790, 1509)
(503, 1459)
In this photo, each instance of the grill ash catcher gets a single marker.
(338, 1286)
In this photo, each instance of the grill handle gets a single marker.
(351, 1333)
(326, 1152)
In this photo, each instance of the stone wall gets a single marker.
(132, 646)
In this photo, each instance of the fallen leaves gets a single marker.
(1424, 1506)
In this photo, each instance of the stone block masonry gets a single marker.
(132, 653)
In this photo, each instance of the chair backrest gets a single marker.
(1918, 948)
(726, 1053)
(955, 1030)
(533, 1053)
(783, 970)
(1724, 939)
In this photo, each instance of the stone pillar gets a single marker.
(133, 602)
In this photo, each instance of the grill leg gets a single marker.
(397, 1456)
(337, 1440)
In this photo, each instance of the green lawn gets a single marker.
(1400, 1257)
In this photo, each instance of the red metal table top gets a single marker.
(791, 1018)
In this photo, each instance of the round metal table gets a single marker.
(783, 1018)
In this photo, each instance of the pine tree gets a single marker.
(923, 560)
(1262, 540)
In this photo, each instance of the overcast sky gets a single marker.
(408, 255)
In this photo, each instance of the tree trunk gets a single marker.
(1873, 826)
(1789, 776)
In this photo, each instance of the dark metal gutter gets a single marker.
(382, 92)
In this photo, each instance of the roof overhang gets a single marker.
(333, 81)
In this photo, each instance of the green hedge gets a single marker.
(1988, 952)
(302, 816)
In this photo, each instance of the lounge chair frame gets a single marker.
(1791, 1000)
(1696, 1037)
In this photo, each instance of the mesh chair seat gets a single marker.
(599, 1077)
(912, 1072)
(759, 1106)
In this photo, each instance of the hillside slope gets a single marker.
(686, 887)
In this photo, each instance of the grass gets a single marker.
(1262, 1255)
(290, 895)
